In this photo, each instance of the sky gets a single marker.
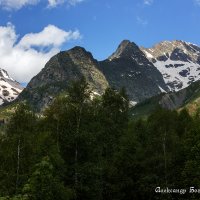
(32, 31)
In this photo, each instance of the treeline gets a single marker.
(85, 148)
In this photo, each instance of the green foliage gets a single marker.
(44, 185)
(8, 110)
(16, 147)
(86, 148)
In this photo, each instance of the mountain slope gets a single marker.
(128, 67)
(9, 88)
(58, 73)
(145, 73)
(186, 98)
(178, 62)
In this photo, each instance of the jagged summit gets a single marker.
(59, 72)
(128, 67)
(4, 74)
(178, 61)
(168, 47)
(80, 53)
(78, 50)
(125, 49)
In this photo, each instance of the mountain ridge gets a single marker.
(57, 74)
(178, 62)
(9, 88)
(128, 67)
(144, 72)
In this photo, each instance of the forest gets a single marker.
(84, 148)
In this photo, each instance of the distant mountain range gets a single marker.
(177, 61)
(168, 67)
(9, 88)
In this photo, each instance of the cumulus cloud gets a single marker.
(148, 2)
(24, 58)
(18, 4)
(50, 36)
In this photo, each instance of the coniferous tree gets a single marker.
(113, 117)
(18, 148)
(44, 184)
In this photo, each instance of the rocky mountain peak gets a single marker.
(80, 55)
(128, 67)
(4, 74)
(59, 72)
(77, 50)
(175, 50)
(9, 88)
(125, 49)
(178, 61)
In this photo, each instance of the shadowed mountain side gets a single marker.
(128, 67)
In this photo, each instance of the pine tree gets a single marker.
(17, 146)
(43, 184)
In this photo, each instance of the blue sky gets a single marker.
(97, 25)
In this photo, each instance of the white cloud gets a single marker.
(148, 2)
(50, 36)
(23, 59)
(54, 3)
(16, 4)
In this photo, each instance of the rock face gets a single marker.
(178, 62)
(128, 67)
(9, 88)
(57, 74)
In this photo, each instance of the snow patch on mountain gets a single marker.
(161, 89)
(4, 74)
(148, 54)
(9, 88)
(178, 75)
(177, 61)
(132, 103)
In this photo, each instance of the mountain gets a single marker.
(128, 67)
(166, 68)
(9, 88)
(57, 74)
(188, 97)
(178, 62)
